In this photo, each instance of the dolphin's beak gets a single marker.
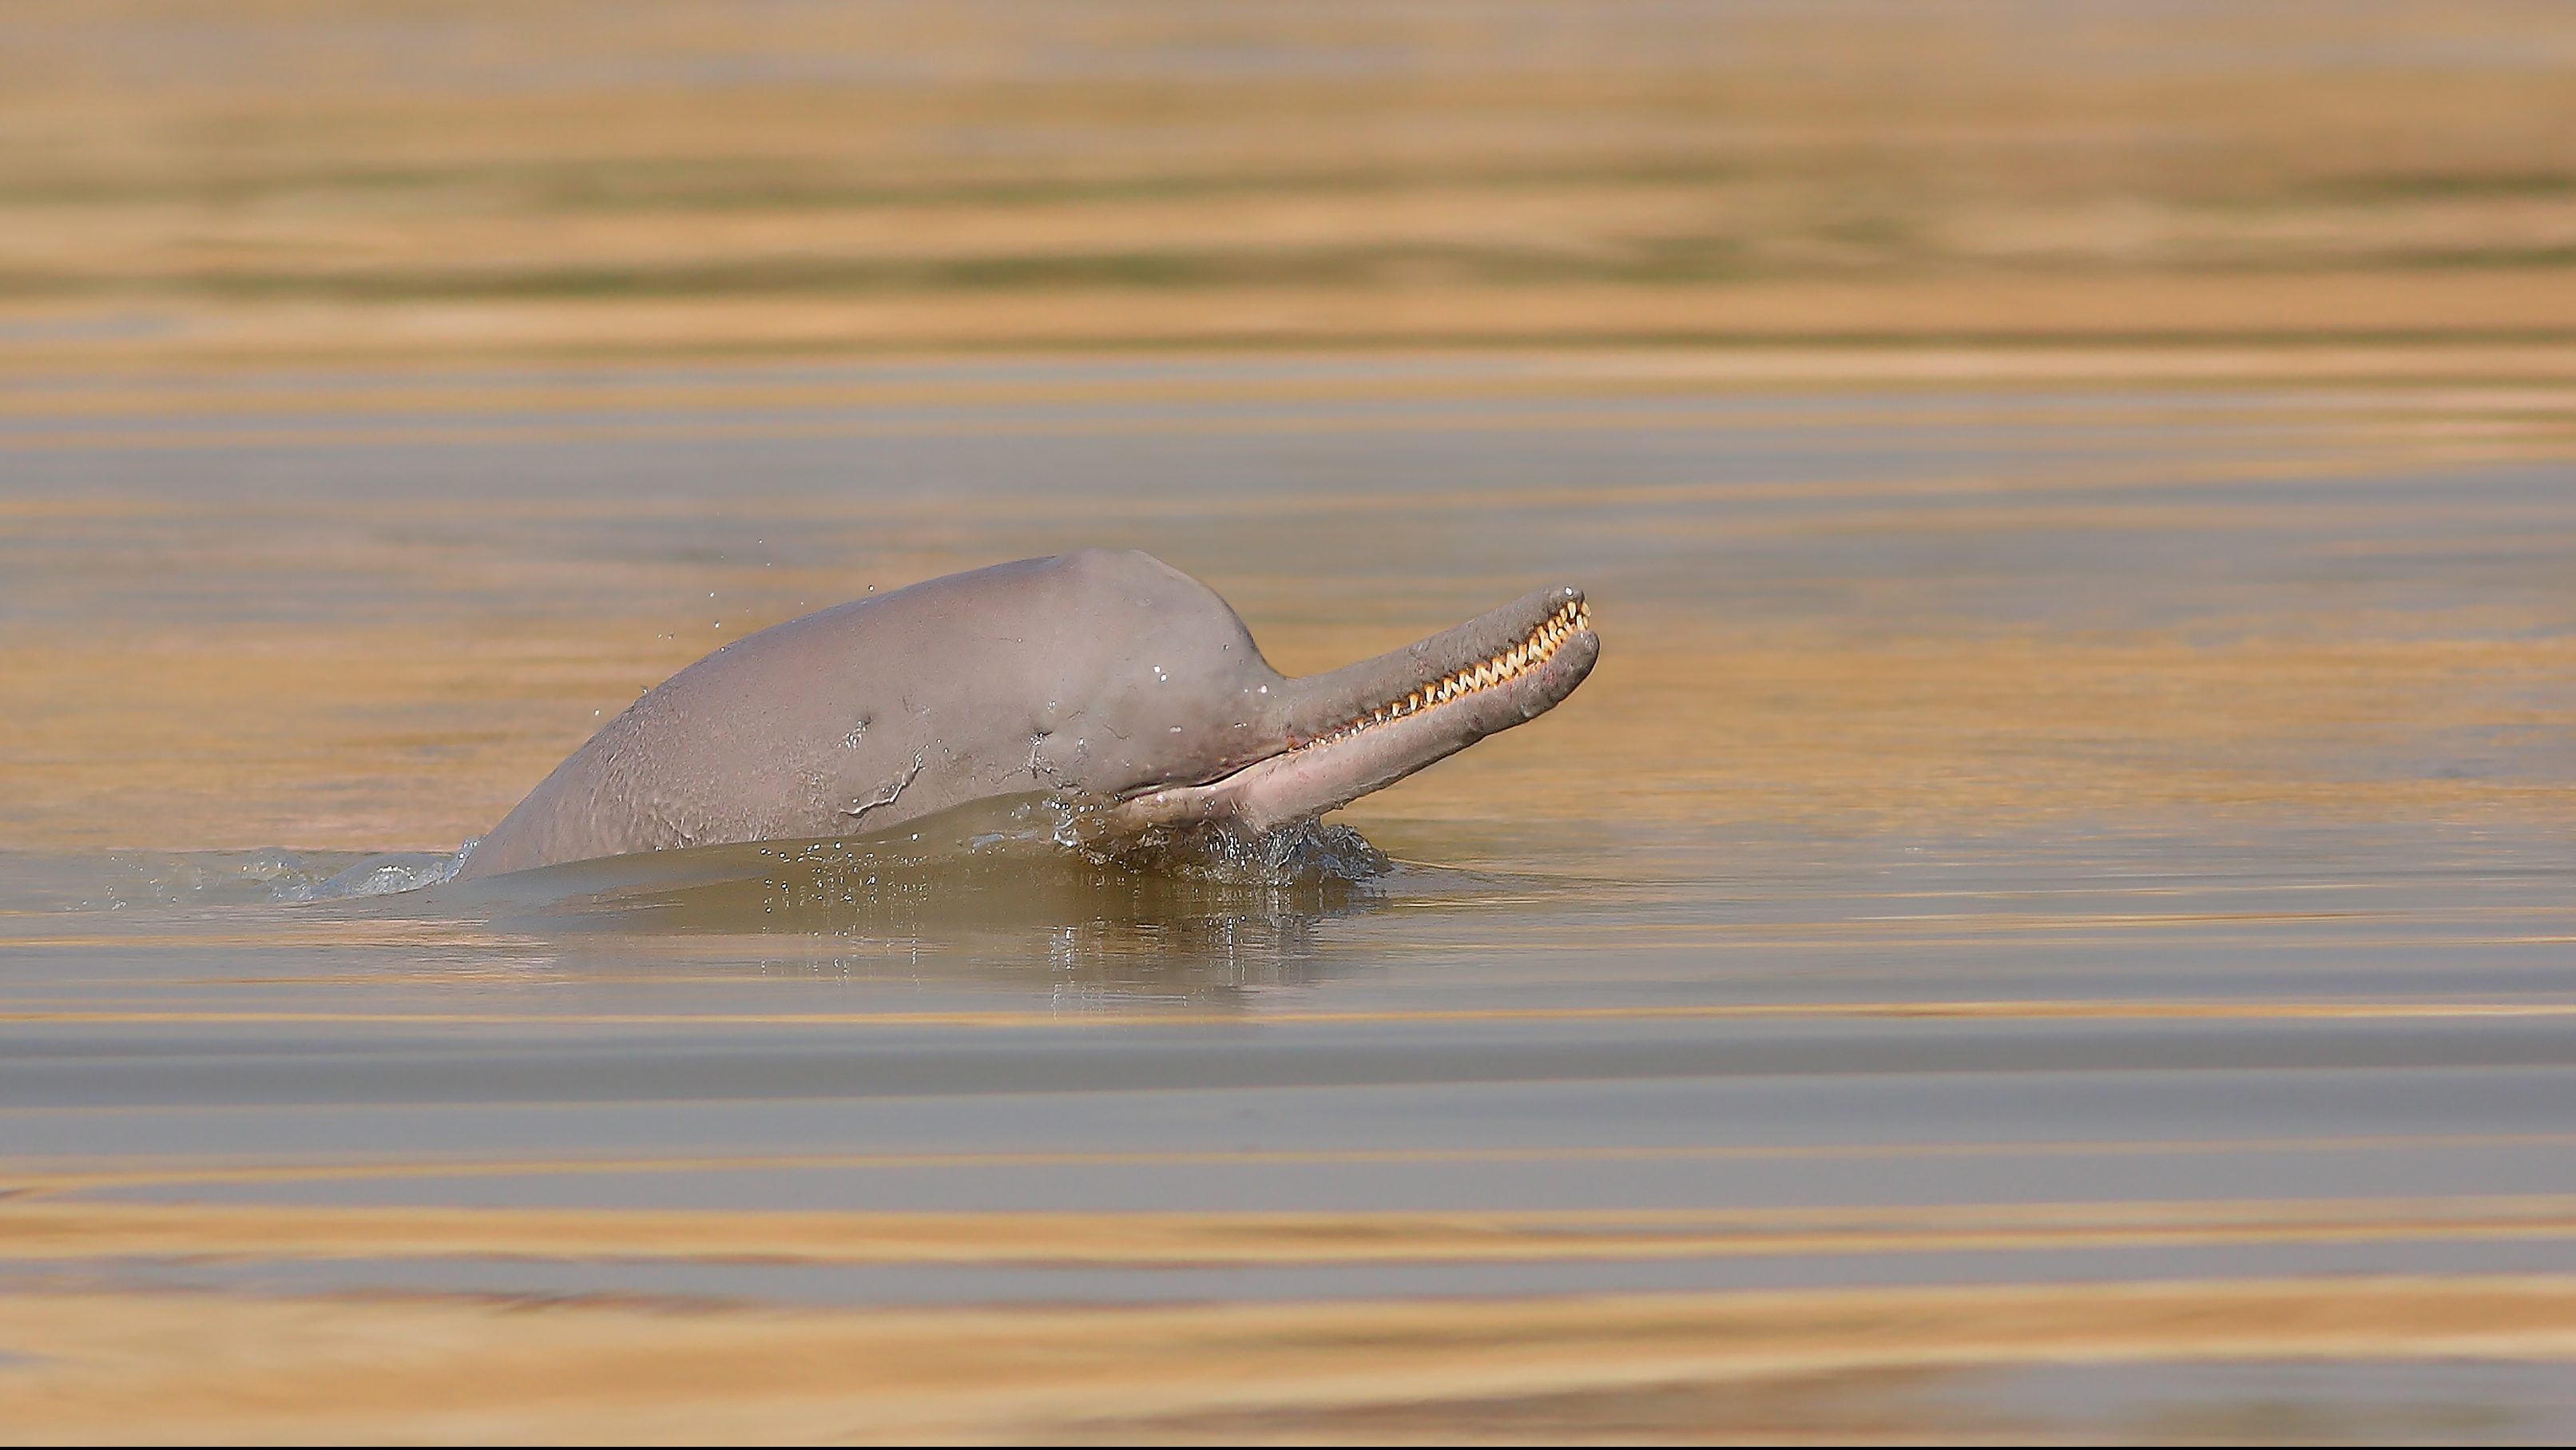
(1366, 726)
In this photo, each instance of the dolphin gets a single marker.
(1106, 677)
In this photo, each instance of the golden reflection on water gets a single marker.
(252, 1368)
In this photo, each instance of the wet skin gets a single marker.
(1108, 677)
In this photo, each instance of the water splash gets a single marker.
(381, 875)
(182, 880)
(1302, 852)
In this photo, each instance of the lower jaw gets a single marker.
(1311, 780)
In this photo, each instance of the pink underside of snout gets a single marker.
(1316, 778)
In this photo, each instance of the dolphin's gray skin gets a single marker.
(1111, 677)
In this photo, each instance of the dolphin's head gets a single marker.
(1181, 722)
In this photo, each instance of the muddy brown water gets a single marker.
(2053, 918)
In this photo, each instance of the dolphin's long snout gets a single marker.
(1363, 727)
(1536, 624)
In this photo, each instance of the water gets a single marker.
(2052, 917)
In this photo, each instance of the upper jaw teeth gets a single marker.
(1530, 652)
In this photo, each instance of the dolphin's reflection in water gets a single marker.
(1005, 892)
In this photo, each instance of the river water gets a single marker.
(2052, 918)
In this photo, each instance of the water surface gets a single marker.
(2052, 918)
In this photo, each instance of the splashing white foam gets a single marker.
(381, 875)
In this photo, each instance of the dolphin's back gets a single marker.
(867, 714)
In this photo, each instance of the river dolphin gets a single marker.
(1107, 677)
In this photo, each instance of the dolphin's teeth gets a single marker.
(1535, 649)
